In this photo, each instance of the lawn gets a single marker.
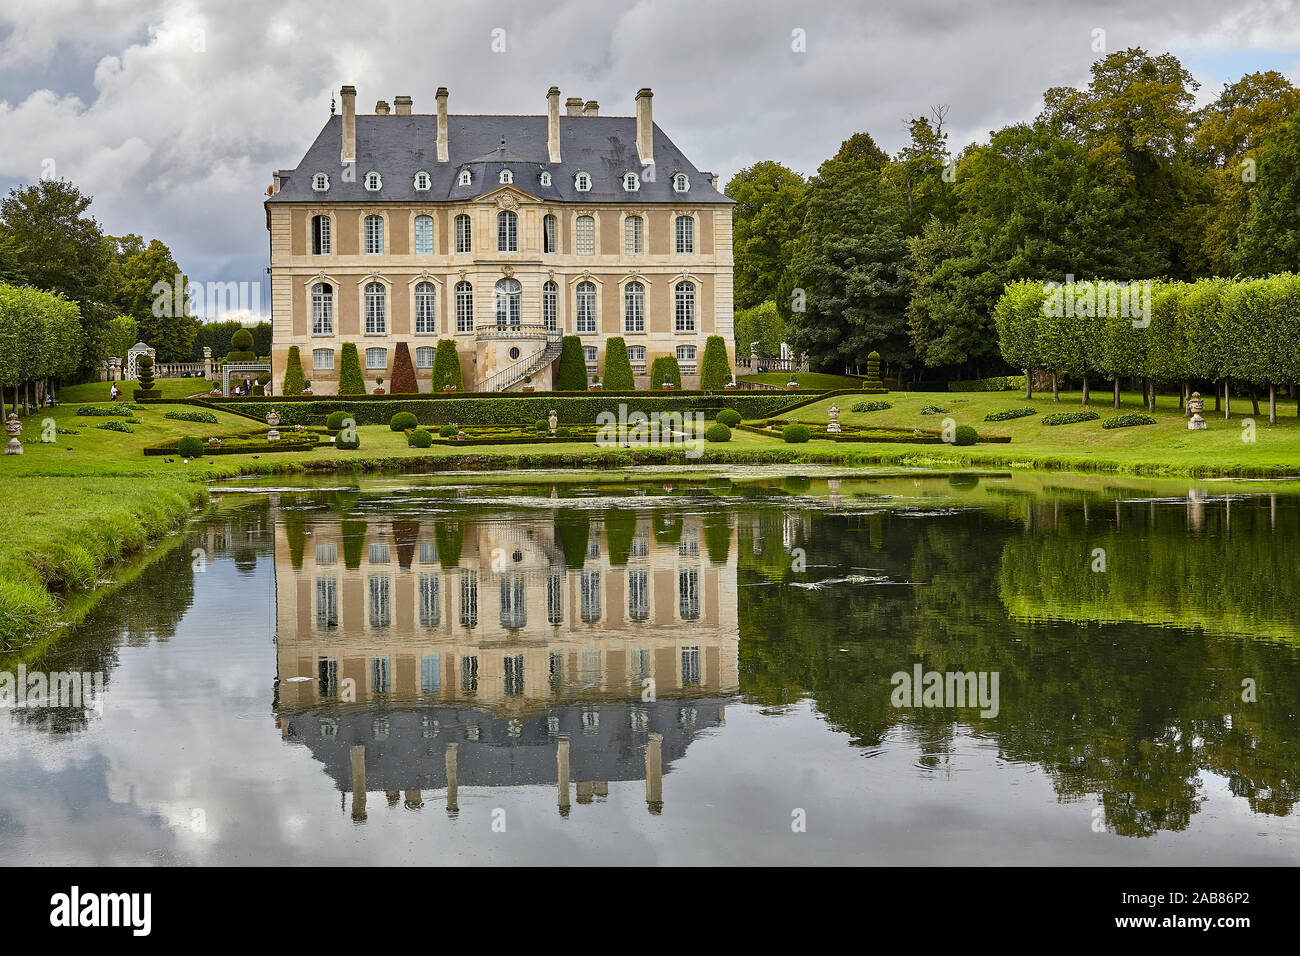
(98, 391)
(805, 379)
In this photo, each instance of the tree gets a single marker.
(403, 382)
(766, 222)
(119, 335)
(446, 366)
(762, 324)
(147, 284)
(1269, 237)
(294, 380)
(571, 376)
(618, 368)
(715, 370)
(1017, 317)
(351, 381)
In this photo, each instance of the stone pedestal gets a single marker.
(1195, 405)
(13, 428)
(833, 413)
(273, 419)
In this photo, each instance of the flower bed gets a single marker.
(774, 427)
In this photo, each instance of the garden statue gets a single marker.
(833, 413)
(552, 420)
(13, 428)
(273, 419)
(1195, 405)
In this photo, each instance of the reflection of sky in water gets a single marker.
(189, 725)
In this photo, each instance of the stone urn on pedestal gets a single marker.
(1195, 405)
(13, 428)
(833, 413)
(273, 419)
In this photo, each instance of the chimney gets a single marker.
(573, 106)
(553, 123)
(591, 108)
(442, 124)
(645, 126)
(381, 107)
(402, 105)
(348, 154)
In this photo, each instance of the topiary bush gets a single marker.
(729, 417)
(403, 382)
(447, 431)
(350, 441)
(572, 373)
(1069, 418)
(563, 432)
(618, 368)
(335, 420)
(294, 381)
(446, 366)
(665, 369)
(873, 370)
(241, 347)
(795, 434)
(206, 418)
(1007, 414)
(542, 426)
(419, 439)
(402, 421)
(715, 370)
(965, 435)
(189, 447)
(115, 426)
(933, 410)
(1128, 421)
(870, 406)
(351, 381)
(717, 432)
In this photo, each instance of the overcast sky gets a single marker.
(173, 115)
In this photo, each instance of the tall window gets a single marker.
(633, 235)
(634, 307)
(550, 234)
(463, 234)
(508, 299)
(322, 309)
(464, 307)
(685, 234)
(320, 235)
(554, 598)
(507, 231)
(424, 235)
(514, 609)
(327, 602)
(631, 182)
(636, 355)
(469, 598)
(374, 235)
(424, 356)
(638, 595)
(514, 673)
(322, 360)
(590, 596)
(376, 314)
(590, 357)
(688, 594)
(680, 183)
(376, 360)
(429, 605)
(426, 316)
(582, 182)
(690, 665)
(550, 305)
(684, 308)
(381, 605)
(584, 236)
(686, 358)
(586, 307)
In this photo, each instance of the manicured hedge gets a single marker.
(665, 369)
(1007, 414)
(571, 376)
(965, 435)
(870, 406)
(1069, 418)
(1128, 421)
(1001, 383)
(419, 439)
(403, 421)
(795, 434)
(618, 368)
(729, 417)
(717, 432)
(189, 446)
(715, 370)
(206, 418)
(294, 381)
(351, 381)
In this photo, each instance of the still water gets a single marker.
(683, 672)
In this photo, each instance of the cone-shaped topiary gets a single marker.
(873, 370)
(351, 381)
(618, 369)
(665, 369)
(144, 372)
(294, 381)
(446, 366)
(403, 382)
(715, 370)
(572, 374)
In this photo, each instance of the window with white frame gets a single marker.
(550, 234)
(590, 357)
(681, 183)
(554, 603)
(424, 235)
(424, 356)
(690, 661)
(463, 243)
(426, 315)
(464, 307)
(376, 309)
(684, 307)
(327, 602)
(634, 307)
(638, 595)
(636, 355)
(322, 309)
(507, 231)
(514, 607)
(381, 604)
(320, 182)
(582, 182)
(633, 235)
(584, 236)
(422, 181)
(685, 234)
(373, 181)
(586, 312)
(631, 182)
(374, 235)
(550, 305)
(320, 235)
(544, 178)
(430, 616)
(322, 360)
(507, 177)
(376, 359)
(590, 596)
(469, 608)
(509, 303)
(688, 592)
(686, 357)
(465, 177)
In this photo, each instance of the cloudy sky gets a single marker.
(174, 114)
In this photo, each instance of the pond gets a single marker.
(995, 669)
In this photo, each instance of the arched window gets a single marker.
(463, 234)
(586, 312)
(681, 183)
(320, 235)
(320, 182)
(584, 236)
(582, 182)
(633, 235)
(464, 307)
(373, 181)
(426, 315)
(684, 307)
(507, 177)
(507, 231)
(685, 234)
(422, 181)
(545, 178)
(550, 234)
(322, 309)
(376, 359)
(509, 295)
(424, 235)
(424, 356)
(322, 360)
(631, 182)
(465, 177)
(634, 307)
(376, 309)
(550, 305)
(374, 235)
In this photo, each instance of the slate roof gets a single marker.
(397, 147)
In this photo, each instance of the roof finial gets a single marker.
(503, 141)
(331, 102)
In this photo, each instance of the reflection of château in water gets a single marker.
(486, 651)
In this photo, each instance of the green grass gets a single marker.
(805, 379)
(99, 391)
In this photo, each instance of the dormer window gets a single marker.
(507, 177)
(373, 182)
(422, 181)
(582, 182)
(320, 182)
(544, 178)
(631, 182)
(465, 178)
(680, 183)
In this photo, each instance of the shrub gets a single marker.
(729, 417)
(665, 369)
(294, 381)
(965, 435)
(572, 373)
(717, 432)
(144, 372)
(419, 439)
(618, 368)
(1001, 383)
(1009, 413)
(403, 382)
(563, 432)
(351, 381)
(870, 406)
(796, 434)
(241, 347)
(1128, 421)
(933, 410)
(447, 431)
(189, 447)
(207, 418)
(335, 420)
(873, 370)
(1069, 418)
(352, 441)
(762, 324)
(107, 411)
(542, 426)
(446, 366)
(715, 370)
(115, 426)
(402, 421)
